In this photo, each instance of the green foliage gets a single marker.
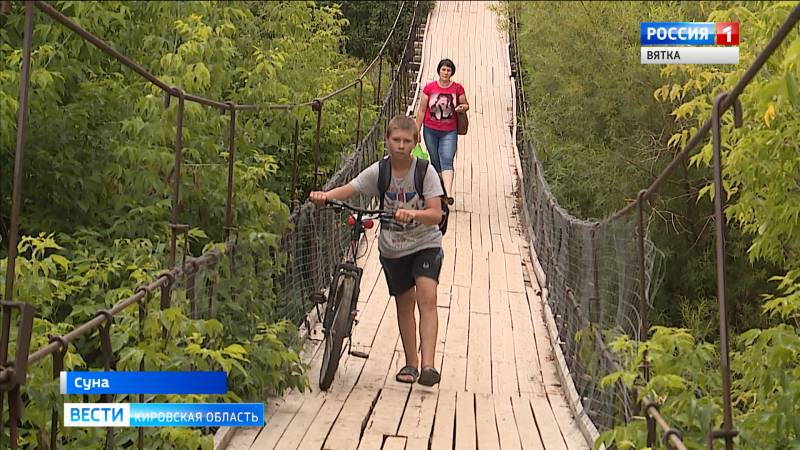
(685, 380)
(261, 360)
(600, 125)
(98, 176)
(593, 117)
(369, 22)
(760, 161)
(602, 136)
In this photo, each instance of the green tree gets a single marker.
(760, 163)
(98, 175)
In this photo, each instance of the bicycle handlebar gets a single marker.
(336, 204)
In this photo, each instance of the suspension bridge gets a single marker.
(522, 278)
(500, 387)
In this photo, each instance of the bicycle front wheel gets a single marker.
(334, 337)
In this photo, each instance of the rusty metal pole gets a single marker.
(58, 366)
(380, 75)
(16, 204)
(176, 185)
(231, 160)
(295, 162)
(19, 154)
(317, 106)
(142, 316)
(360, 105)
(644, 313)
(166, 298)
(108, 355)
(727, 433)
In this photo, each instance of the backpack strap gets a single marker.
(419, 176)
(384, 178)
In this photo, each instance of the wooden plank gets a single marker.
(447, 273)
(504, 378)
(480, 269)
(419, 415)
(544, 350)
(444, 424)
(458, 322)
(504, 370)
(502, 330)
(335, 399)
(273, 431)
(566, 423)
(465, 420)
(371, 441)
(526, 425)
(454, 365)
(414, 443)
(516, 283)
(395, 443)
(371, 316)
(546, 421)
(398, 361)
(346, 431)
(506, 423)
(382, 350)
(463, 270)
(498, 279)
(479, 300)
(441, 338)
(301, 423)
(479, 358)
(485, 423)
(475, 220)
(528, 370)
(388, 411)
(443, 293)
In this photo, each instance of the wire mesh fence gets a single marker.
(601, 276)
(592, 271)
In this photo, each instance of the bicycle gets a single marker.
(340, 312)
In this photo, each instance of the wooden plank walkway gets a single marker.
(499, 387)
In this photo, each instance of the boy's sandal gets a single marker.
(429, 376)
(407, 371)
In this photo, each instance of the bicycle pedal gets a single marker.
(318, 298)
(359, 354)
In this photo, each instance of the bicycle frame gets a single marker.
(348, 268)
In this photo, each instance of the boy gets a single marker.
(411, 249)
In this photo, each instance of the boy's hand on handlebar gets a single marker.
(319, 198)
(405, 215)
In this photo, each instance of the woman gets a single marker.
(440, 101)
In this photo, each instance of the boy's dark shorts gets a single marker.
(401, 272)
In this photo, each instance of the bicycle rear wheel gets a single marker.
(334, 337)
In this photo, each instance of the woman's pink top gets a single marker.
(440, 113)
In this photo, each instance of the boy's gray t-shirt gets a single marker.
(397, 240)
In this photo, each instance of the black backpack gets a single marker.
(385, 178)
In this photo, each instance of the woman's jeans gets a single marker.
(441, 146)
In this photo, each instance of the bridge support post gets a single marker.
(13, 229)
(231, 161)
(360, 107)
(644, 311)
(720, 106)
(176, 173)
(295, 143)
(317, 107)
